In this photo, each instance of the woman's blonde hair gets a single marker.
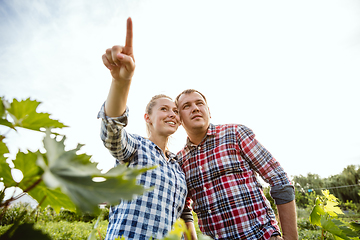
(149, 108)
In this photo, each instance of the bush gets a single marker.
(15, 211)
(64, 230)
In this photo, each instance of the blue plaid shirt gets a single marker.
(153, 213)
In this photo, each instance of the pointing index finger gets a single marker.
(129, 33)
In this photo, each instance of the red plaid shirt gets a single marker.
(222, 183)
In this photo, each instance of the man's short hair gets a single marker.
(188, 91)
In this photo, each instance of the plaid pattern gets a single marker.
(153, 213)
(221, 174)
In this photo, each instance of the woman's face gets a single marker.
(164, 118)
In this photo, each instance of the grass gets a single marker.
(60, 230)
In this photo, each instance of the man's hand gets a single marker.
(120, 59)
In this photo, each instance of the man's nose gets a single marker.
(195, 108)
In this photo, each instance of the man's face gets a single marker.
(194, 112)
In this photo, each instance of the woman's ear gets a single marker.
(147, 118)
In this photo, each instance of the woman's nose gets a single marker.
(171, 114)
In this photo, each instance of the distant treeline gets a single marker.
(345, 186)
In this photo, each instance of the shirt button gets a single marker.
(209, 211)
(205, 188)
(199, 148)
(217, 236)
(200, 167)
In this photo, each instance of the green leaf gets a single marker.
(330, 226)
(74, 175)
(204, 237)
(2, 195)
(25, 231)
(5, 122)
(24, 115)
(3, 150)
(2, 108)
(355, 226)
(345, 229)
(315, 215)
(5, 170)
(5, 174)
(332, 209)
(177, 231)
(26, 163)
(53, 197)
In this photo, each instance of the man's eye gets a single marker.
(176, 111)
(185, 106)
(163, 109)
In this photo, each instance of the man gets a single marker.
(221, 163)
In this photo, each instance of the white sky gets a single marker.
(289, 70)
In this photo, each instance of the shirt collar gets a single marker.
(211, 131)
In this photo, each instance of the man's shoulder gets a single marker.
(229, 127)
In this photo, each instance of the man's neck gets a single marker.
(197, 136)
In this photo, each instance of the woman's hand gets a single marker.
(120, 59)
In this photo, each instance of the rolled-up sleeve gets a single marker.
(282, 194)
(115, 138)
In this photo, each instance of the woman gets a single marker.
(153, 213)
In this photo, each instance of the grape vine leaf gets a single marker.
(315, 215)
(345, 229)
(24, 115)
(74, 174)
(332, 209)
(2, 108)
(31, 183)
(26, 163)
(6, 123)
(355, 226)
(51, 197)
(177, 231)
(330, 226)
(5, 170)
(5, 175)
(3, 120)
(3, 149)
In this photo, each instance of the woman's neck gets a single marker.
(160, 141)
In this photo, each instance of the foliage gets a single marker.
(325, 215)
(345, 186)
(60, 178)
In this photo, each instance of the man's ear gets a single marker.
(147, 118)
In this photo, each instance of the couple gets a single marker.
(216, 169)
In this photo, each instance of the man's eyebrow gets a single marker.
(184, 103)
